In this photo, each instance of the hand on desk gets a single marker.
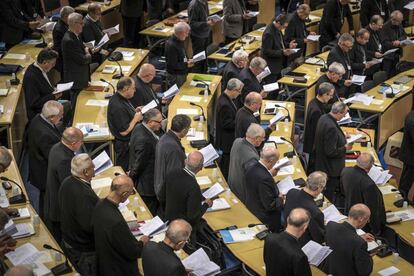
(368, 237)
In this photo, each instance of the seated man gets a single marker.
(374, 46)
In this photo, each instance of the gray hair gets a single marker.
(239, 55)
(5, 157)
(178, 231)
(358, 211)
(51, 108)
(316, 180)
(194, 161)
(396, 13)
(325, 88)
(258, 62)
(73, 17)
(345, 37)
(181, 27)
(338, 107)
(150, 115)
(254, 131)
(234, 84)
(66, 11)
(269, 154)
(336, 68)
(79, 164)
(362, 32)
(20, 270)
(298, 217)
(365, 160)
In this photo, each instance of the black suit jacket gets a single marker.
(331, 21)
(300, 199)
(117, 250)
(37, 91)
(244, 118)
(358, 187)
(41, 138)
(197, 18)
(370, 8)
(329, 146)
(159, 259)
(340, 88)
(407, 144)
(388, 34)
(60, 157)
(13, 22)
(91, 30)
(296, 30)
(143, 94)
(58, 32)
(272, 49)
(132, 8)
(337, 55)
(225, 123)
(142, 159)
(283, 255)
(251, 84)
(315, 110)
(374, 42)
(349, 256)
(75, 61)
(230, 71)
(262, 196)
(175, 56)
(358, 56)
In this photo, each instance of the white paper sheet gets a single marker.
(278, 117)
(388, 271)
(353, 138)
(286, 170)
(150, 105)
(104, 40)
(282, 163)
(15, 56)
(112, 30)
(92, 102)
(271, 87)
(285, 185)
(200, 264)
(313, 37)
(331, 213)
(102, 162)
(171, 91)
(219, 204)
(194, 99)
(24, 254)
(187, 111)
(200, 56)
(358, 79)
(154, 225)
(48, 27)
(209, 153)
(203, 180)
(60, 87)
(391, 51)
(101, 183)
(214, 191)
(315, 252)
(266, 72)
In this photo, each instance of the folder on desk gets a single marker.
(237, 235)
(219, 204)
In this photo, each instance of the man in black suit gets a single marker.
(122, 117)
(142, 145)
(176, 60)
(76, 57)
(93, 31)
(60, 157)
(14, 23)
(330, 148)
(250, 80)
(183, 195)
(316, 108)
(170, 155)
(334, 76)
(36, 84)
(60, 29)
(42, 136)
(263, 198)
(361, 59)
(333, 18)
(132, 11)
(143, 90)
(283, 253)
(394, 5)
(391, 35)
(358, 187)
(225, 122)
(76, 203)
(305, 199)
(160, 258)
(274, 49)
(349, 250)
(370, 8)
(407, 155)
(250, 113)
(239, 60)
(117, 250)
(374, 46)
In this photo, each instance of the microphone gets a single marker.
(115, 57)
(325, 66)
(205, 86)
(43, 44)
(14, 80)
(363, 131)
(17, 199)
(289, 154)
(105, 81)
(198, 117)
(388, 95)
(254, 224)
(62, 268)
(120, 74)
(281, 106)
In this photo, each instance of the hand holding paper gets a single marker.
(63, 87)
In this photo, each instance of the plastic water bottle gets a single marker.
(214, 174)
(395, 258)
(405, 205)
(205, 95)
(200, 124)
(136, 202)
(286, 125)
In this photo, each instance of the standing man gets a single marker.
(330, 148)
(142, 145)
(76, 57)
(117, 250)
(170, 155)
(132, 11)
(235, 17)
(249, 77)
(59, 168)
(282, 253)
(122, 117)
(407, 156)
(374, 46)
(143, 90)
(239, 60)
(42, 135)
(370, 8)
(225, 122)
(361, 59)
(76, 203)
(358, 187)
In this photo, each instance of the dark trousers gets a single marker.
(407, 179)
(132, 25)
(199, 44)
(54, 229)
(122, 154)
(176, 79)
(332, 189)
(389, 66)
(152, 204)
(84, 262)
(225, 164)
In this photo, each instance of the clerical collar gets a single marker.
(291, 235)
(151, 131)
(90, 18)
(189, 172)
(44, 73)
(83, 180)
(47, 121)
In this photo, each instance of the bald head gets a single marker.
(194, 161)
(72, 136)
(269, 154)
(146, 72)
(359, 211)
(20, 270)
(365, 161)
(121, 184)
(253, 101)
(178, 231)
(5, 159)
(298, 218)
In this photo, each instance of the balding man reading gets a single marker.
(117, 249)
(358, 187)
(59, 168)
(183, 195)
(5, 159)
(262, 195)
(282, 253)
(143, 90)
(250, 113)
(159, 258)
(242, 155)
(349, 255)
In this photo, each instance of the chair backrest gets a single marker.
(258, 26)
(367, 86)
(379, 77)
(326, 48)
(405, 250)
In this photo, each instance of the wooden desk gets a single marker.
(408, 51)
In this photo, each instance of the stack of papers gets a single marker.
(102, 162)
(271, 87)
(215, 18)
(92, 130)
(200, 56)
(214, 191)
(392, 269)
(285, 185)
(358, 80)
(315, 252)
(210, 154)
(360, 98)
(148, 106)
(196, 136)
(100, 183)
(332, 214)
(219, 204)
(112, 31)
(282, 163)
(378, 175)
(266, 72)
(316, 61)
(313, 37)
(200, 264)
(194, 99)
(404, 215)
(109, 69)
(238, 235)
(353, 138)
(276, 139)
(25, 254)
(154, 226)
(23, 230)
(203, 180)
(100, 103)
(345, 120)
(171, 92)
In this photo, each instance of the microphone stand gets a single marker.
(62, 268)
(17, 199)
(110, 84)
(289, 154)
(120, 74)
(287, 110)
(366, 133)
(206, 86)
(198, 117)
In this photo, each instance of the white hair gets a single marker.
(79, 164)
(51, 108)
(239, 55)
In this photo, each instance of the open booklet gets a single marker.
(102, 162)
(200, 264)
(154, 226)
(315, 252)
(210, 154)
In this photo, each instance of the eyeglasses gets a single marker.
(157, 121)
